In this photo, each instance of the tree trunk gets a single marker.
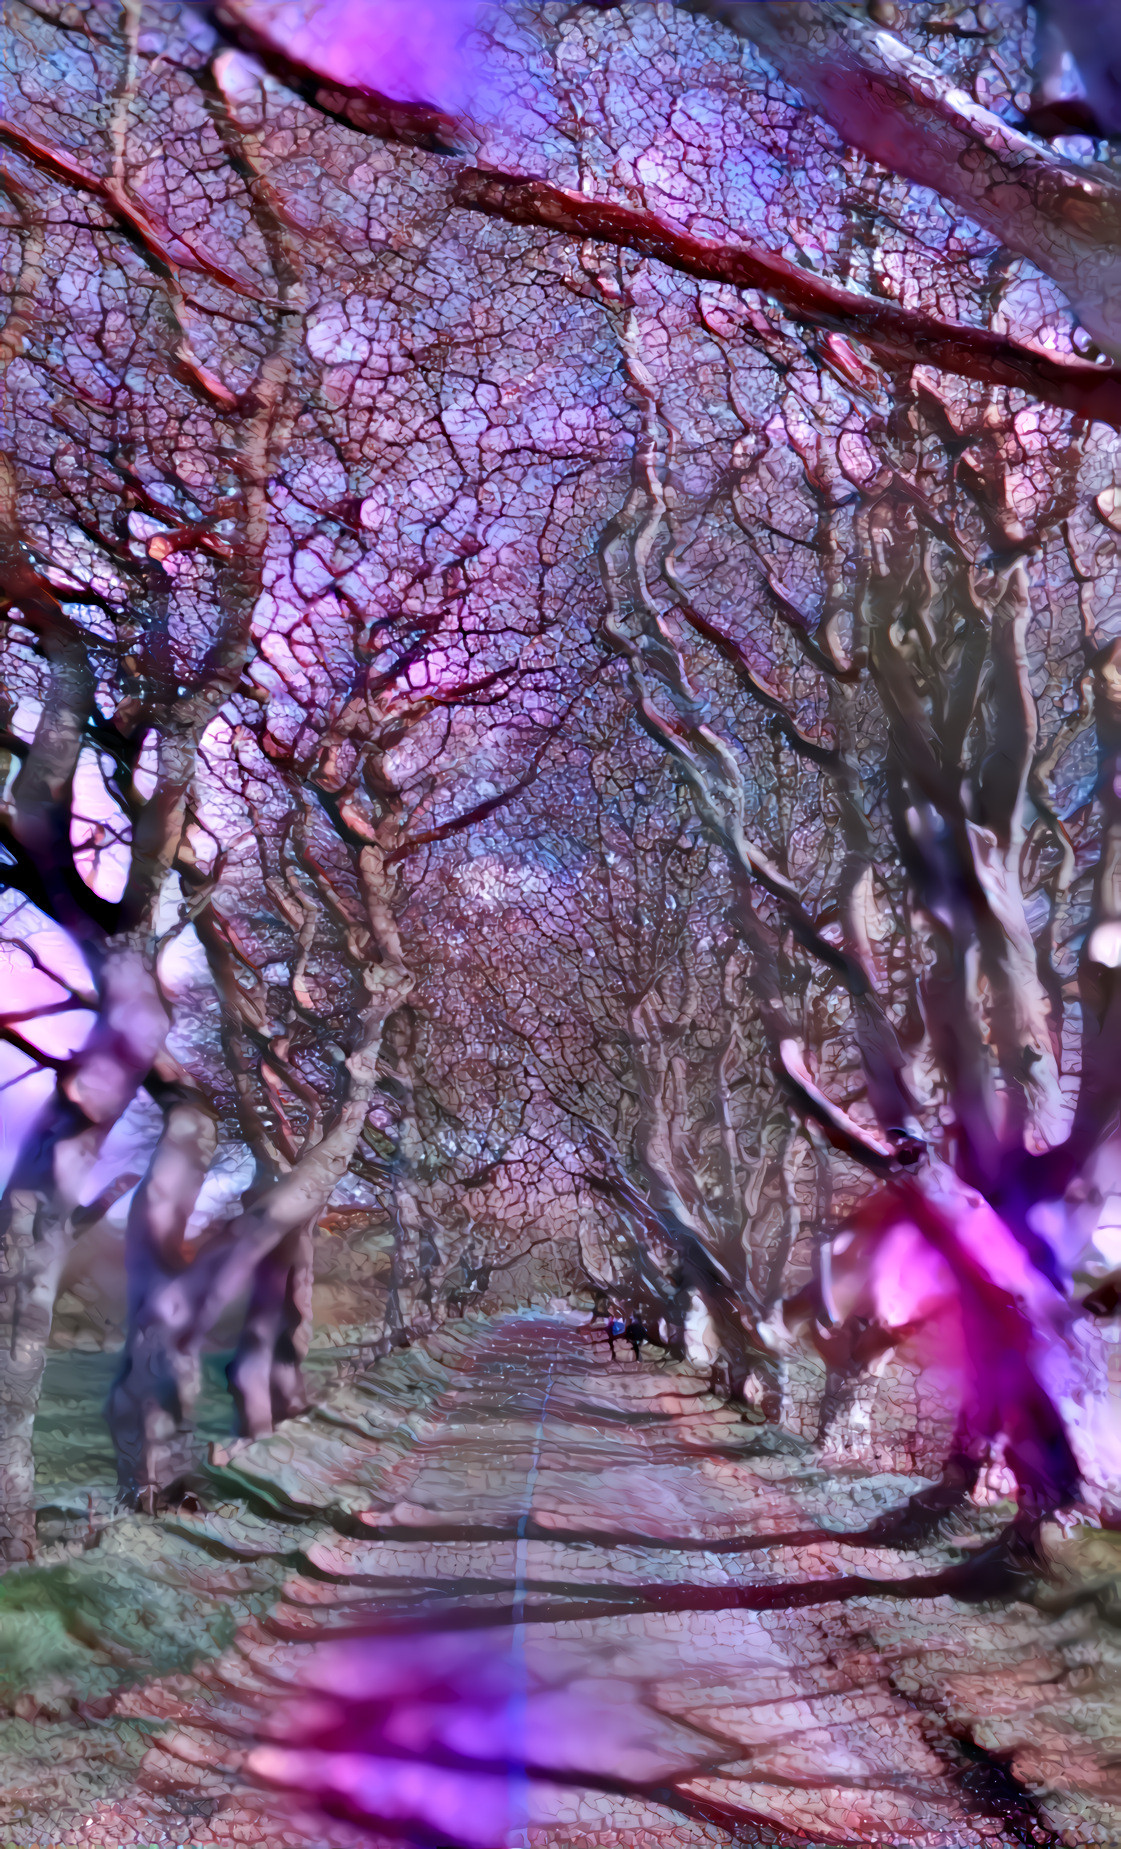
(265, 1250)
(896, 106)
(36, 1213)
(152, 1399)
(266, 1374)
(35, 1245)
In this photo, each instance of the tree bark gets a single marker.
(37, 1209)
(898, 108)
(266, 1373)
(150, 1404)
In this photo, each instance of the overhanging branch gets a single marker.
(896, 336)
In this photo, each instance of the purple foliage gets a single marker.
(412, 51)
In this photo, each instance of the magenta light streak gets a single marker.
(414, 51)
(452, 1735)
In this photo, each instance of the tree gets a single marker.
(605, 950)
(939, 690)
(135, 488)
(951, 682)
(224, 530)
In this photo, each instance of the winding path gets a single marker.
(498, 1593)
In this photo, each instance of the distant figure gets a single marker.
(615, 1328)
(635, 1333)
(720, 1380)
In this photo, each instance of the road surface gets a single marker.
(505, 1592)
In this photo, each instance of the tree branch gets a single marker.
(897, 337)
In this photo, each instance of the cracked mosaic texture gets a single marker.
(562, 750)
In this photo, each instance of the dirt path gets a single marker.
(496, 1595)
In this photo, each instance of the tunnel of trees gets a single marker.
(561, 696)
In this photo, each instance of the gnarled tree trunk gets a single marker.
(38, 1206)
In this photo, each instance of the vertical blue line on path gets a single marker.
(517, 1832)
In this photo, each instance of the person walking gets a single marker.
(635, 1332)
(615, 1328)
